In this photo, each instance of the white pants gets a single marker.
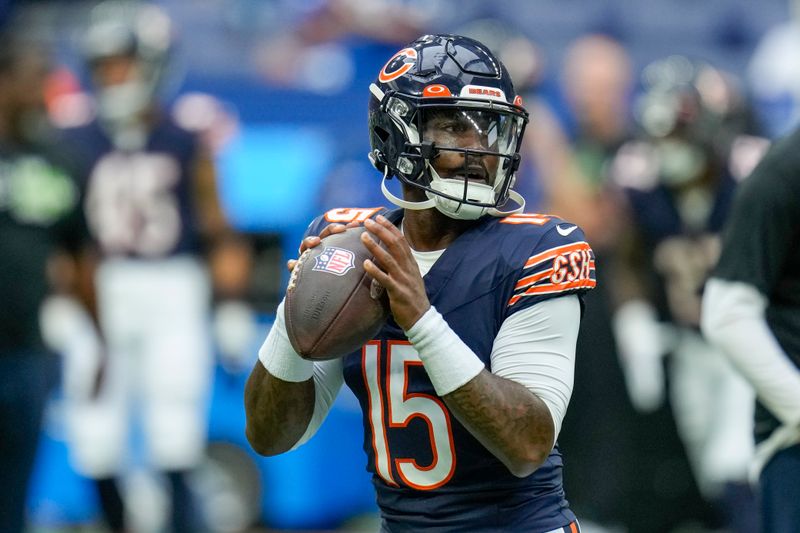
(154, 316)
(713, 408)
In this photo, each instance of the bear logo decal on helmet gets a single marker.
(398, 65)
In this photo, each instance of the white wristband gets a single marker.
(449, 362)
(278, 356)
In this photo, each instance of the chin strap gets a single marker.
(431, 202)
(399, 202)
(516, 198)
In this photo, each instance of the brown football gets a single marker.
(332, 306)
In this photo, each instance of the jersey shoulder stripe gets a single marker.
(560, 268)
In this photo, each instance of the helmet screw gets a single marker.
(404, 165)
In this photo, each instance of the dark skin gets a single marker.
(510, 421)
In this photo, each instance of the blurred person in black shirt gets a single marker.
(751, 310)
(39, 215)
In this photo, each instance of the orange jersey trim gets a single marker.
(533, 278)
(551, 288)
(553, 252)
(526, 218)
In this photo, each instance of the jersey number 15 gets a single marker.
(395, 407)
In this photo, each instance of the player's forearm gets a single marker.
(733, 319)
(278, 412)
(280, 394)
(508, 419)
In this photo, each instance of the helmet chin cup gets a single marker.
(457, 210)
(476, 192)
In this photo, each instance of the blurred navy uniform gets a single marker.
(141, 202)
(751, 309)
(154, 297)
(39, 214)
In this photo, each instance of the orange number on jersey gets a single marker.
(526, 218)
(400, 407)
(345, 215)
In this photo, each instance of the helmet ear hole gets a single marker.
(382, 134)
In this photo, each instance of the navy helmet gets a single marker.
(457, 76)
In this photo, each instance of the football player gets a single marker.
(152, 209)
(750, 311)
(678, 177)
(464, 389)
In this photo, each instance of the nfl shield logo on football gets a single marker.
(334, 260)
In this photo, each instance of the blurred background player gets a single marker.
(678, 177)
(750, 311)
(39, 216)
(152, 209)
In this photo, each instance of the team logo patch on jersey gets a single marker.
(334, 260)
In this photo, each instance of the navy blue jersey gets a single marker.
(139, 203)
(681, 257)
(428, 470)
(659, 218)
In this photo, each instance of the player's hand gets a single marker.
(398, 272)
(314, 240)
(641, 348)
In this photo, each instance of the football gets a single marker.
(332, 305)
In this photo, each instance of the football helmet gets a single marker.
(682, 111)
(448, 97)
(138, 31)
